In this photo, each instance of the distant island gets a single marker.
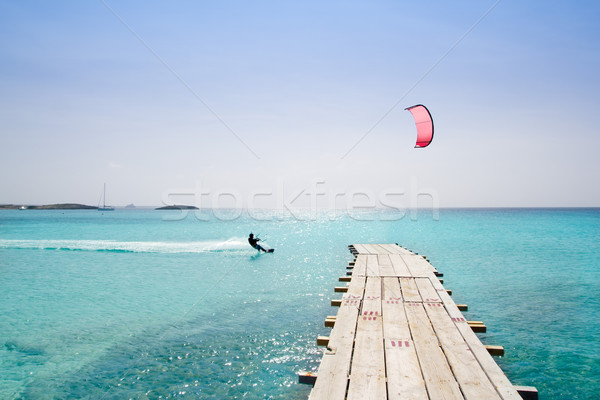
(176, 207)
(75, 206)
(63, 206)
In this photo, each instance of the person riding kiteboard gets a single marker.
(254, 243)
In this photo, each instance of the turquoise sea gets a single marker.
(150, 304)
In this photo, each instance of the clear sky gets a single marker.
(157, 98)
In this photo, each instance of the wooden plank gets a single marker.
(395, 249)
(333, 372)
(380, 249)
(404, 378)
(493, 371)
(391, 248)
(370, 249)
(427, 291)
(471, 378)
(360, 266)
(347, 312)
(361, 249)
(388, 248)
(367, 379)
(331, 379)
(385, 265)
(410, 291)
(437, 374)
(418, 266)
(400, 267)
(437, 284)
(395, 324)
(372, 265)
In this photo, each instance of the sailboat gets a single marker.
(104, 207)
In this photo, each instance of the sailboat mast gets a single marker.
(103, 199)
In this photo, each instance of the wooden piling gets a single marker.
(527, 392)
(495, 350)
(322, 340)
(307, 377)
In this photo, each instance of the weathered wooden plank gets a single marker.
(381, 249)
(385, 265)
(398, 249)
(439, 380)
(400, 267)
(395, 324)
(361, 249)
(427, 291)
(367, 379)
(348, 311)
(410, 291)
(360, 266)
(333, 372)
(372, 265)
(332, 379)
(395, 249)
(493, 371)
(417, 265)
(391, 248)
(370, 249)
(437, 284)
(473, 382)
(404, 378)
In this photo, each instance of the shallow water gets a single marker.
(148, 304)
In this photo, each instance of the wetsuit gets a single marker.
(254, 243)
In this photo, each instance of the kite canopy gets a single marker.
(424, 124)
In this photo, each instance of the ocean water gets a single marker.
(165, 304)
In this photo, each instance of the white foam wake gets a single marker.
(232, 244)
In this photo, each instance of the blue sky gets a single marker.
(157, 98)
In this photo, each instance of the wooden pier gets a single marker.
(399, 335)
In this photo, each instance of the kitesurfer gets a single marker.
(254, 243)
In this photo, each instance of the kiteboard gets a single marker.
(266, 247)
